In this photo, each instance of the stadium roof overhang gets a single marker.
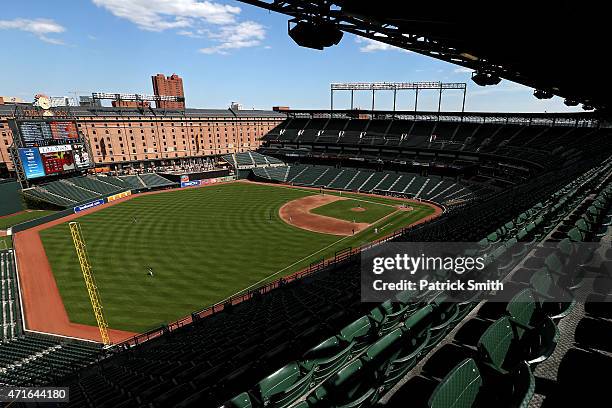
(558, 48)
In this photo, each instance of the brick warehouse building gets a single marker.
(119, 136)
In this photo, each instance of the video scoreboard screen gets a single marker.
(50, 147)
(52, 160)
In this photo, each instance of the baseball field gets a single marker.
(205, 244)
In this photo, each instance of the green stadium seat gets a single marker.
(284, 386)
(536, 331)
(460, 388)
(500, 354)
(556, 302)
(576, 235)
(493, 237)
(446, 314)
(389, 314)
(353, 386)
(327, 357)
(497, 347)
(240, 401)
(416, 337)
(356, 385)
(359, 333)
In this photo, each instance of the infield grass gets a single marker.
(203, 245)
(345, 210)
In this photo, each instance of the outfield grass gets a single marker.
(6, 243)
(343, 210)
(10, 220)
(203, 244)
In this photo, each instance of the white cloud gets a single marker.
(49, 40)
(369, 45)
(160, 15)
(197, 19)
(40, 27)
(463, 70)
(243, 35)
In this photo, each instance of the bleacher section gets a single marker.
(154, 180)
(248, 160)
(72, 191)
(34, 360)
(433, 188)
(9, 298)
(30, 359)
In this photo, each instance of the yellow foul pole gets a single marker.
(90, 282)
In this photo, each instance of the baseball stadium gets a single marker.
(171, 256)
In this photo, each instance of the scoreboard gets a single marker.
(61, 130)
(35, 133)
(49, 147)
(39, 133)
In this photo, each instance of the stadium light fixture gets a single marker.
(570, 102)
(587, 107)
(542, 94)
(316, 35)
(485, 78)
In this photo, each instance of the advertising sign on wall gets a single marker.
(204, 182)
(190, 183)
(87, 206)
(118, 196)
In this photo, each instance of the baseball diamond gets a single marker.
(204, 245)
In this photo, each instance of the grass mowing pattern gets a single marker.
(9, 221)
(343, 210)
(203, 245)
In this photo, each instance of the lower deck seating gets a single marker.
(9, 297)
(251, 160)
(76, 190)
(431, 188)
(34, 360)
(155, 180)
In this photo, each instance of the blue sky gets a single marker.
(225, 51)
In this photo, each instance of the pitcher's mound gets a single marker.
(358, 209)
